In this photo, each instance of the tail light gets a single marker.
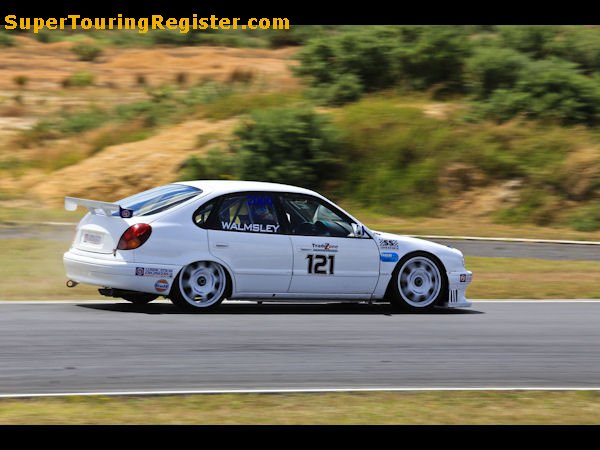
(134, 236)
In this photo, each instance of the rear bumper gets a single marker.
(457, 286)
(150, 278)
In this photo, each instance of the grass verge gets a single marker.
(411, 408)
(532, 278)
(36, 272)
(33, 269)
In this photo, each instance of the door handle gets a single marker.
(221, 245)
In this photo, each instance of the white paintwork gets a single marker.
(356, 265)
(261, 265)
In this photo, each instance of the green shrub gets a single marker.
(21, 80)
(79, 79)
(580, 45)
(240, 75)
(286, 145)
(82, 121)
(586, 218)
(551, 90)
(438, 55)
(355, 61)
(491, 68)
(86, 51)
(533, 40)
(347, 88)
(535, 206)
(46, 36)
(6, 40)
(215, 165)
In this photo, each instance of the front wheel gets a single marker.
(419, 282)
(200, 286)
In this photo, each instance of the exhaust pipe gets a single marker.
(71, 283)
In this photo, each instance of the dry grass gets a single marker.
(46, 65)
(116, 76)
(33, 269)
(41, 260)
(532, 278)
(459, 407)
(124, 169)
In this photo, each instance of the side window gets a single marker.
(251, 213)
(310, 217)
(202, 214)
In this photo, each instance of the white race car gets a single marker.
(200, 242)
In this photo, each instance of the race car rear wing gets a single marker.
(71, 204)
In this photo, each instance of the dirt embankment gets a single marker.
(120, 75)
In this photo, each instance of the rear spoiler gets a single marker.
(71, 204)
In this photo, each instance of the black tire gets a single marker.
(139, 298)
(188, 284)
(425, 297)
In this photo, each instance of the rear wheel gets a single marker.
(419, 282)
(139, 298)
(200, 286)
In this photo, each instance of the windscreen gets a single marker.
(158, 199)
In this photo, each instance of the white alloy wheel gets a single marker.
(199, 285)
(419, 281)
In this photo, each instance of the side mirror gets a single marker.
(358, 230)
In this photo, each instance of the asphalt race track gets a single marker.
(116, 347)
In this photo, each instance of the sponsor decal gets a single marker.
(125, 213)
(389, 257)
(253, 227)
(463, 277)
(326, 247)
(157, 272)
(259, 200)
(161, 285)
(388, 244)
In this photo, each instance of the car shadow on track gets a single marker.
(272, 308)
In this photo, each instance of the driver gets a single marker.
(263, 215)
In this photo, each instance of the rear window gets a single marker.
(158, 199)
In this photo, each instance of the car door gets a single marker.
(246, 234)
(328, 259)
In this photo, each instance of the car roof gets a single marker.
(230, 186)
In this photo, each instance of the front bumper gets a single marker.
(150, 278)
(457, 286)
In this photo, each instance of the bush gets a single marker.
(437, 56)
(533, 40)
(579, 45)
(6, 40)
(586, 218)
(285, 145)
(352, 61)
(86, 120)
(239, 75)
(21, 80)
(86, 51)
(380, 57)
(79, 79)
(492, 68)
(347, 88)
(215, 165)
(548, 89)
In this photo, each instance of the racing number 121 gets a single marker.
(317, 263)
